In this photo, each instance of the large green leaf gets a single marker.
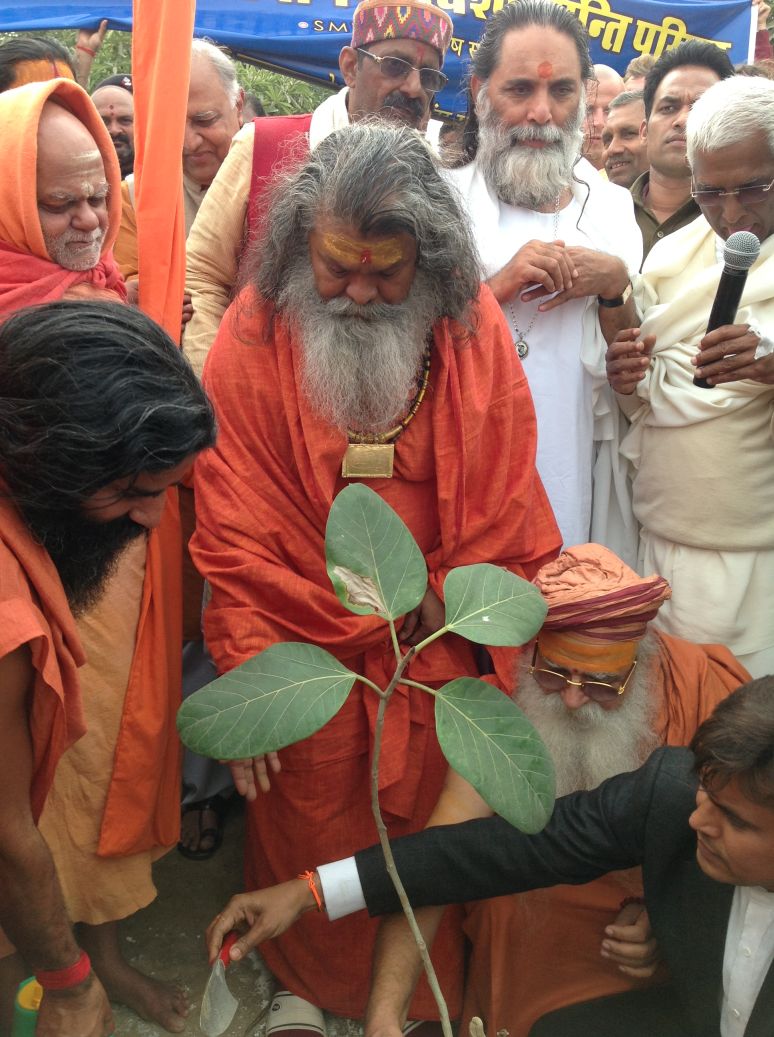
(492, 606)
(489, 741)
(278, 697)
(373, 561)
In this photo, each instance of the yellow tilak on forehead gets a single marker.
(382, 253)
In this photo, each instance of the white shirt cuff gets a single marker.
(341, 888)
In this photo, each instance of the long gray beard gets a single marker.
(590, 744)
(360, 363)
(530, 177)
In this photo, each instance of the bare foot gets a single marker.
(151, 999)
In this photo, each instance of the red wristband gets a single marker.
(63, 979)
(86, 50)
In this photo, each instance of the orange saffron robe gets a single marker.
(538, 951)
(465, 484)
(34, 611)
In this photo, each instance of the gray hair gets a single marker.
(729, 113)
(222, 64)
(627, 97)
(380, 179)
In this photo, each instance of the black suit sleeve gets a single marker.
(589, 834)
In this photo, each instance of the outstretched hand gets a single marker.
(246, 773)
(93, 40)
(260, 915)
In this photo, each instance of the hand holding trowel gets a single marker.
(218, 1004)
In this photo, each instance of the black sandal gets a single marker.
(217, 805)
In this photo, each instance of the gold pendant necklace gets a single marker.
(368, 461)
(371, 455)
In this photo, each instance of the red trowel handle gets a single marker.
(228, 942)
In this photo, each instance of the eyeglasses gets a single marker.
(752, 195)
(430, 79)
(551, 681)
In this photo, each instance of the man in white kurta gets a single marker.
(704, 458)
(533, 203)
(577, 424)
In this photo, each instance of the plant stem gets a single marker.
(416, 684)
(395, 642)
(433, 637)
(374, 687)
(384, 840)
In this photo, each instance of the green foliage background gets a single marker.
(279, 94)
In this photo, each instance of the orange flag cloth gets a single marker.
(143, 804)
(161, 65)
(27, 274)
(465, 484)
(34, 611)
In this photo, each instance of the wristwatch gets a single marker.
(619, 300)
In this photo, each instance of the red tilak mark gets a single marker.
(111, 109)
(365, 256)
(545, 69)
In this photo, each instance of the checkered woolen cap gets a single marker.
(376, 20)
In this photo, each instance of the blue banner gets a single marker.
(304, 37)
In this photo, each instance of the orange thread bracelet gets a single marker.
(86, 50)
(63, 979)
(309, 877)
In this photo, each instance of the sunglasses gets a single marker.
(551, 681)
(752, 195)
(430, 79)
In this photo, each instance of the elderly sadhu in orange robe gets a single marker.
(464, 482)
(114, 804)
(539, 951)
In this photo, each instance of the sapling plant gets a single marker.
(290, 690)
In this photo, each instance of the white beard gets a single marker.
(360, 363)
(590, 744)
(525, 176)
(75, 251)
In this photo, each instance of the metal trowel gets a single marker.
(218, 1004)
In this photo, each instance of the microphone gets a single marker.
(740, 252)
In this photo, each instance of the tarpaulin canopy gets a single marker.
(304, 37)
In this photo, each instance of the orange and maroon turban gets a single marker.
(598, 609)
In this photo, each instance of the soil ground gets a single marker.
(166, 940)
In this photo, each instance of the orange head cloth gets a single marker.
(598, 609)
(20, 112)
(38, 71)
